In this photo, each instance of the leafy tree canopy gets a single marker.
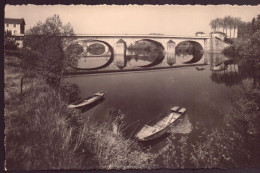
(45, 49)
(52, 26)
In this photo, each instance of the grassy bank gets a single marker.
(42, 133)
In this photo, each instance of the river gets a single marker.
(142, 95)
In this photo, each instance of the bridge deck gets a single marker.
(136, 36)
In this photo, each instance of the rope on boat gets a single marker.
(134, 130)
(129, 125)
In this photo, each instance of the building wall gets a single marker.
(14, 28)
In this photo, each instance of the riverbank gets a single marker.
(42, 133)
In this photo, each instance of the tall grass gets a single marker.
(42, 133)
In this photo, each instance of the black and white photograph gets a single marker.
(116, 87)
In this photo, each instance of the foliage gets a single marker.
(69, 92)
(52, 26)
(44, 49)
(175, 153)
(226, 23)
(143, 45)
(38, 135)
(42, 133)
(217, 149)
(114, 151)
(248, 49)
(96, 49)
(9, 42)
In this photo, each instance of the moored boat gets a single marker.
(201, 68)
(160, 125)
(97, 96)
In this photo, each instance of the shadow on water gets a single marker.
(157, 61)
(155, 57)
(92, 105)
(227, 72)
(196, 58)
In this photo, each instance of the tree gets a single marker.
(52, 26)
(228, 23)
(213, 24)
(9, 43)
(44, 49)
(237, 21)
(218, 22)
(221, 24)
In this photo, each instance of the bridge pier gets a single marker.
(213, 45)
(120, 53)
(170, 52)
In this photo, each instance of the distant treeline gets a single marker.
(96, 49)
(232, 24)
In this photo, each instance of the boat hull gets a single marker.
(88, 101)
(161, 132)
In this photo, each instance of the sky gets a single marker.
(132, 19)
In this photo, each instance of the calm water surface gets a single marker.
(146, 94)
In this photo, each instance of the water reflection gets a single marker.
(156, 59)
(187, 58)
(144, 58)
(171, 59)
(183, 127)
(143, 96)
(90, 62)
(224, 70)
(120, 60)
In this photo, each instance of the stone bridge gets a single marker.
(117, 44)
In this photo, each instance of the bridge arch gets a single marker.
(84, 41)
(197, 47)
(160, 56)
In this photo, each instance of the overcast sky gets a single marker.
(167, 19)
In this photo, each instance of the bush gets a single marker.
(9, 42)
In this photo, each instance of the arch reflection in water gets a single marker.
(144, 58)
(185, 58)
(197, 56)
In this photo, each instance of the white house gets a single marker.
(17, 29)
(15, 26)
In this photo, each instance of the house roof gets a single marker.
(14, 21)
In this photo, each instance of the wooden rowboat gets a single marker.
(160, 125)
(88, 100)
